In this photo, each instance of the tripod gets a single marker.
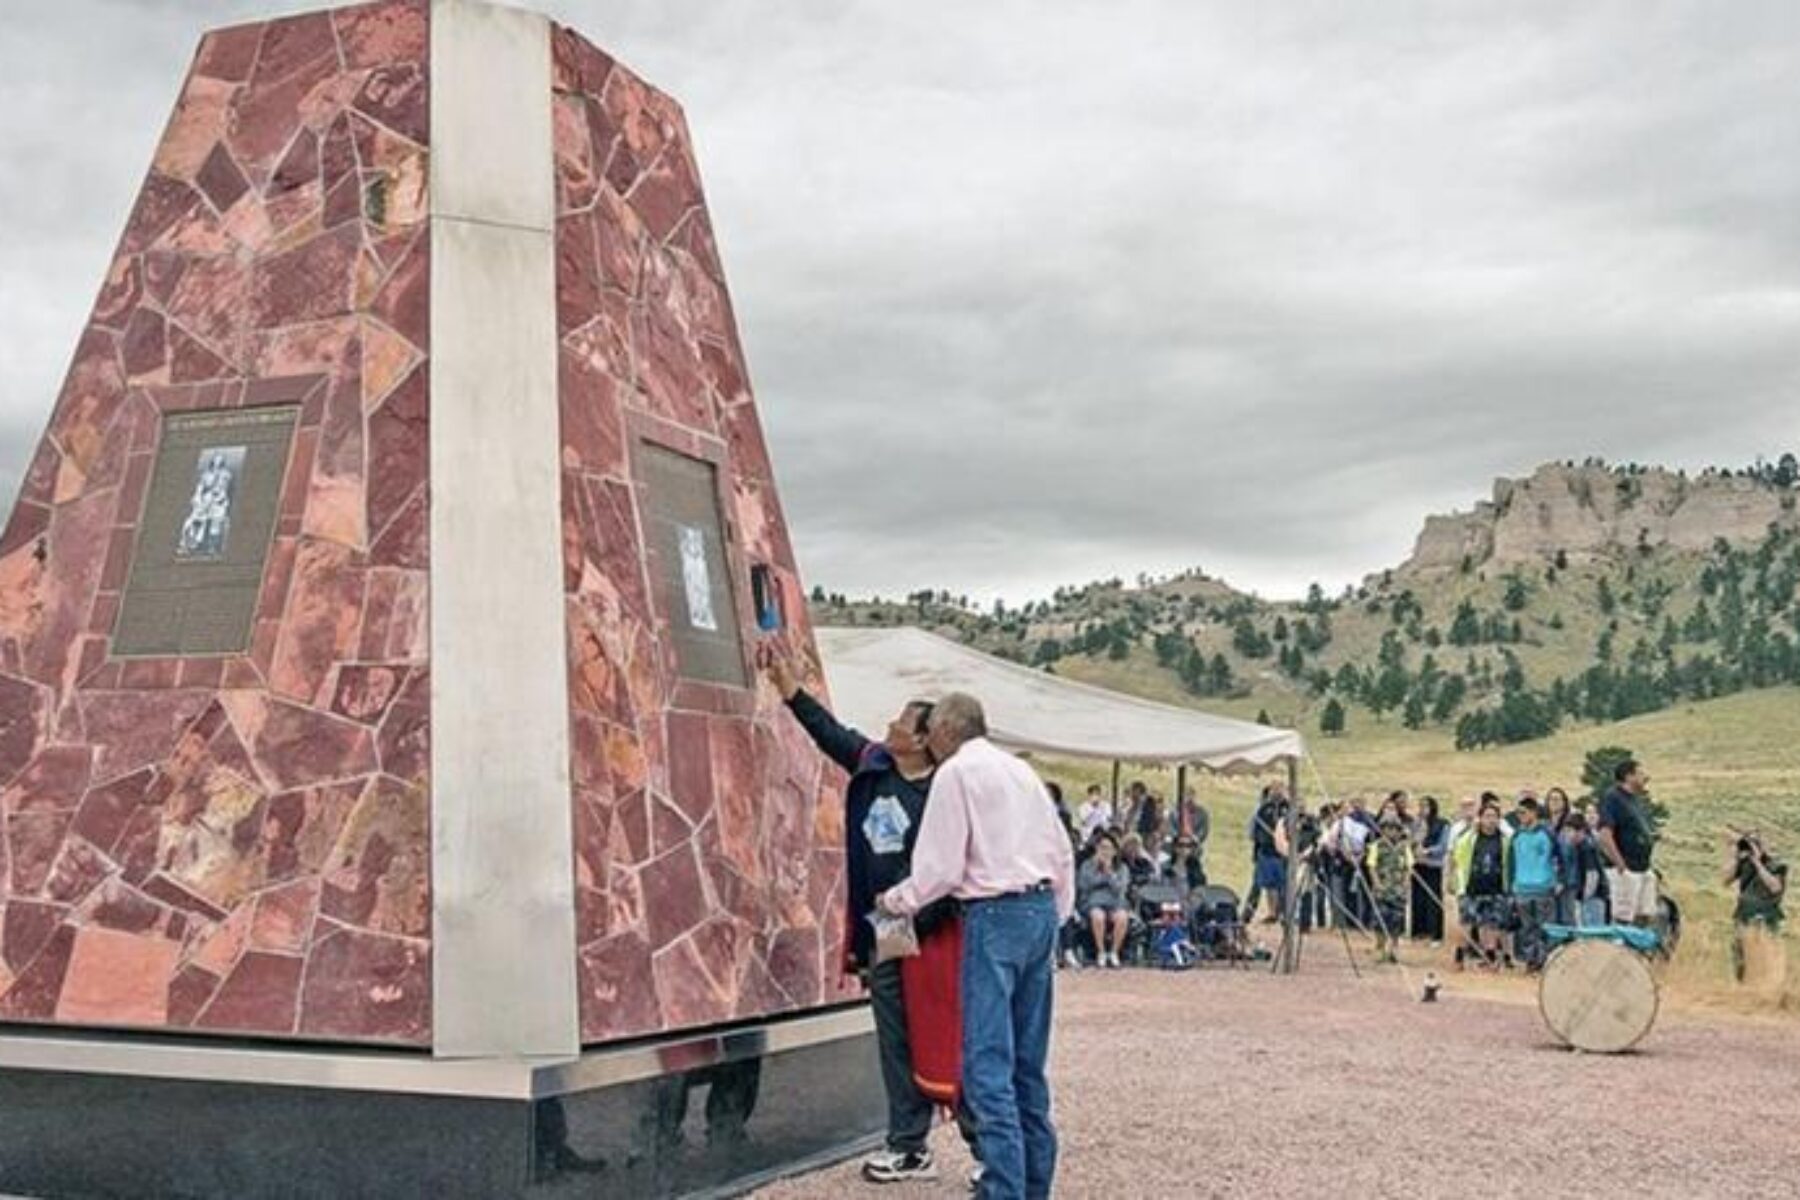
(1287, 958)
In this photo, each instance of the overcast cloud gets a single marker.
(1038, 292)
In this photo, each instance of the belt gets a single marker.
(1039, 888)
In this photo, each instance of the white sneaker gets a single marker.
(1112, 960)
(975, 1174)
(1071, 959)
(891, 1166)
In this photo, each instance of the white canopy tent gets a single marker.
(874, 672)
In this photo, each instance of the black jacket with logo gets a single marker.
(882, 811)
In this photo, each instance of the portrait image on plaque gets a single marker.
(689, 566)
(696, 579)
(208, 522)
(204, 534)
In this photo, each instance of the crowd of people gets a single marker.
(1489, 876)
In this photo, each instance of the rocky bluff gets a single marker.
(1596, 510)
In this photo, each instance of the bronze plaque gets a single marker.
(204, 536)
(689, 566)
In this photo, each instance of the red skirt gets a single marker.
(931, 988)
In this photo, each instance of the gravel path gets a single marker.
(1238, 1083)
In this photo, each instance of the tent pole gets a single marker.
(1115, 792)
(1181, 816)
(1290, 907)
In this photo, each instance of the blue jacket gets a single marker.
(1536, 862)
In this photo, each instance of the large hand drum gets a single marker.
(1598, 996)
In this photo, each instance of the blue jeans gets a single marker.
(1008, 967)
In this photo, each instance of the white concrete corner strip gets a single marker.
(502, 859)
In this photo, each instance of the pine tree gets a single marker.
(1449, 698)
(1414, 716)
(1331, 721)
(1517, 596)
(1465, 628)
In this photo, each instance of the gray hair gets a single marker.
(961, 714)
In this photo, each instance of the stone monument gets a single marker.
(381, 750)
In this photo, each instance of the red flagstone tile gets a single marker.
(32, 842)
(344, 204)
(228, 54)
(261, 993)
(298, 746)
(284, 917)
(136, 729)
(117, 978)
(404, 300)
(668, 828)
(691, 764)
(299, 165)
(674, 897)
(616, 999)
(363, 692)
(119, 295)
(189, 360)
(395, 95)
(78, 870)
(219, 179)
(118, 905)
(367, 986)
(28, 522)
(162, 888)
(54, 780)
(577, 175)
(301, 828)
(162, 203)
(398, 441)
(292, 43)
(189, 992)
(373, 34)
(26, 931)
(405, 541)
(579, 65)
(308, 283)
(593, 433)
(379, 877)
(632, 812)
(404, 742)
(685, 993)
(34, 992)
(319, 627)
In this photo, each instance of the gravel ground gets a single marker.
(1239, 1083)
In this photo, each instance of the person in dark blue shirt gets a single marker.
(1627, 840)
(883, 806)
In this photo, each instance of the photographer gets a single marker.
(1761, 881)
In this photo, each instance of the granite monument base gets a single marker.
(712, 1114)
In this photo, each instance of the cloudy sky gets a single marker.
(1038, 292)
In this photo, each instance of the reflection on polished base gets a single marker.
(102, 1115)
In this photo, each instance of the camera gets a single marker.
(1748, 847)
